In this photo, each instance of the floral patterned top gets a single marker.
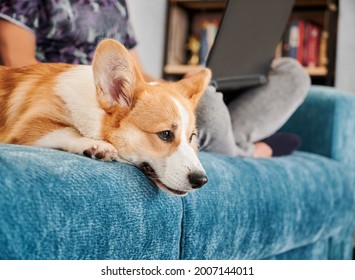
(69, 30)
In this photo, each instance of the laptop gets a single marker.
(246, 41)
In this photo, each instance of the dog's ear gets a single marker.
(115, 74)
(194, 86)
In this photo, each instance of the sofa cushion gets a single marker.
(325, 123)
(56, 205)
(256, 208)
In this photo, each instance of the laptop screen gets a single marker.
(246, 40)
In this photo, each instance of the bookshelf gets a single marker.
(185, 18)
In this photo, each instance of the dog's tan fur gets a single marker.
(28, 107)
(105, 111)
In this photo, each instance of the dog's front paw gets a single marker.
(101, 150)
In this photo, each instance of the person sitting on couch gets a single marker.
(68, 31)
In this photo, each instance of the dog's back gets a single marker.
(26, 99)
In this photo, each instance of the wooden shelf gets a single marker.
(220, 4)
(183, 69)
(180, 69)
(314, 4)
(319, 71)
(201, 4)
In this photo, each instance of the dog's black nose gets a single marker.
(197, 179)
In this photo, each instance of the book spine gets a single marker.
(307, 30)
(178, 30)
(203, 46)
(293, 40)
(300, 47)
(313, 45)
(207, 37)
(323, 59)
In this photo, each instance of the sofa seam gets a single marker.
(181, 245)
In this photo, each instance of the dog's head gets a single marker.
(151, 125)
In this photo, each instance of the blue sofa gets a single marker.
(56, 205)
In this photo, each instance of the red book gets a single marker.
(307, 29)
(312, 45)
(301, 32)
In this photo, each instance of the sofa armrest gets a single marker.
(326, 124)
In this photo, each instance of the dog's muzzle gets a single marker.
(196, 179)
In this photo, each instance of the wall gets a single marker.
(148, 18)
(345, 64)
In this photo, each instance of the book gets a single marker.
(178, 32)
(301, 40)
(311, 57)
(293, 39)
(323, 58)
(207, 36)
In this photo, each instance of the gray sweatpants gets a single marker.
(254, 114)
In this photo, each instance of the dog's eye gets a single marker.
(166, 135)
(192, 136)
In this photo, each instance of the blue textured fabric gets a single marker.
(326, 124)
(253, 209)
(334, 248)
(57, 205)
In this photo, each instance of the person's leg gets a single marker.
(259, 112)
(256, 114)
(214, 125)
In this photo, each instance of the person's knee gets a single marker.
(214, 124)
(293, 75)
(291, 69)
(212, 96)
(211, 108)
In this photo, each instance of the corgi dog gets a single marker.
(107, 111)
